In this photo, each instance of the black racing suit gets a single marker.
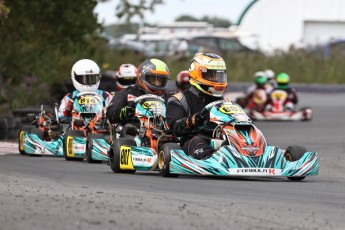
(194, 142)
(120, 100)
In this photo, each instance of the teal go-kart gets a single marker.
(43, 136)
(137, 147)
(88, 123)
(241, 150)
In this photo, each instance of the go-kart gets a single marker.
(87, 124)
(278, 112)
(256, 102)
(43, 136)
(240, 150)
(138, 145)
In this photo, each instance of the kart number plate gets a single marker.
(126, 158)
(87, 100)
(231, 109)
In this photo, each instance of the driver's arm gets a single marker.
(117, 103)
(177, 118)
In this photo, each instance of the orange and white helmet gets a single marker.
(208, 74)
(126, 75)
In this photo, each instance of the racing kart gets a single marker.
(137, 147)
(278, 112)
(240, 150)
(257, 102)
(87, 124)
(43, 136)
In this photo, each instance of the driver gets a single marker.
(86, 77)
(152, 78)
(283, 80)
(208, 79)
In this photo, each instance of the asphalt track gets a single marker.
(51, 193)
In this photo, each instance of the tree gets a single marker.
(40, 39)
(126, 9)
(215, 21)
(186, 18)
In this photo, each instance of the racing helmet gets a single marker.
(153, 76)
(260, 79)
(269, 74)
(85, 76)
(126, 75)
(283, 80)
(182, 80)
(208, 74)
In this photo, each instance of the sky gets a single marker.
(171, 9)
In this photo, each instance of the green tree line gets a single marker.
(40, 40)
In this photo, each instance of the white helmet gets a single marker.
(85, 75)
(269, 74)
(126, 75)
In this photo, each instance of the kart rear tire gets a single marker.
(307, 118)
(89, 147)
(294, 153)
(66, 143)
(164, 158)
(114, 154)
(24, 129)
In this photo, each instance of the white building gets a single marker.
(278, 24)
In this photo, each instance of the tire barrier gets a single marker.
(9, 127)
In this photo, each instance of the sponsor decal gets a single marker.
(130, 97)
(144, 160)
(88, 100)
(255, 171)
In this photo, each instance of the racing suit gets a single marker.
(66, 104)
(195, 141)
(120, 100)
(290, 102)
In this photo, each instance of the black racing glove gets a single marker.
(195, 120)
(126, 112)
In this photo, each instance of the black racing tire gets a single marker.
(89, 147)
(3, 128)
(305, 116)
(294, 153)
(67, 144)
(114, 155)
(164, 158)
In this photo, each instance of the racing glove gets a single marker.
(195, 120)
(126, 112)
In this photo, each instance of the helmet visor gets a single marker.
(216, 76)
(91, 79)
(157, 80)
(127, 80)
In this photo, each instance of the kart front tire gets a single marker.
(68, 144)
(114, 154)
(294, 153)
(164, 158)
(89, 147)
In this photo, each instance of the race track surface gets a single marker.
(51, 193)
